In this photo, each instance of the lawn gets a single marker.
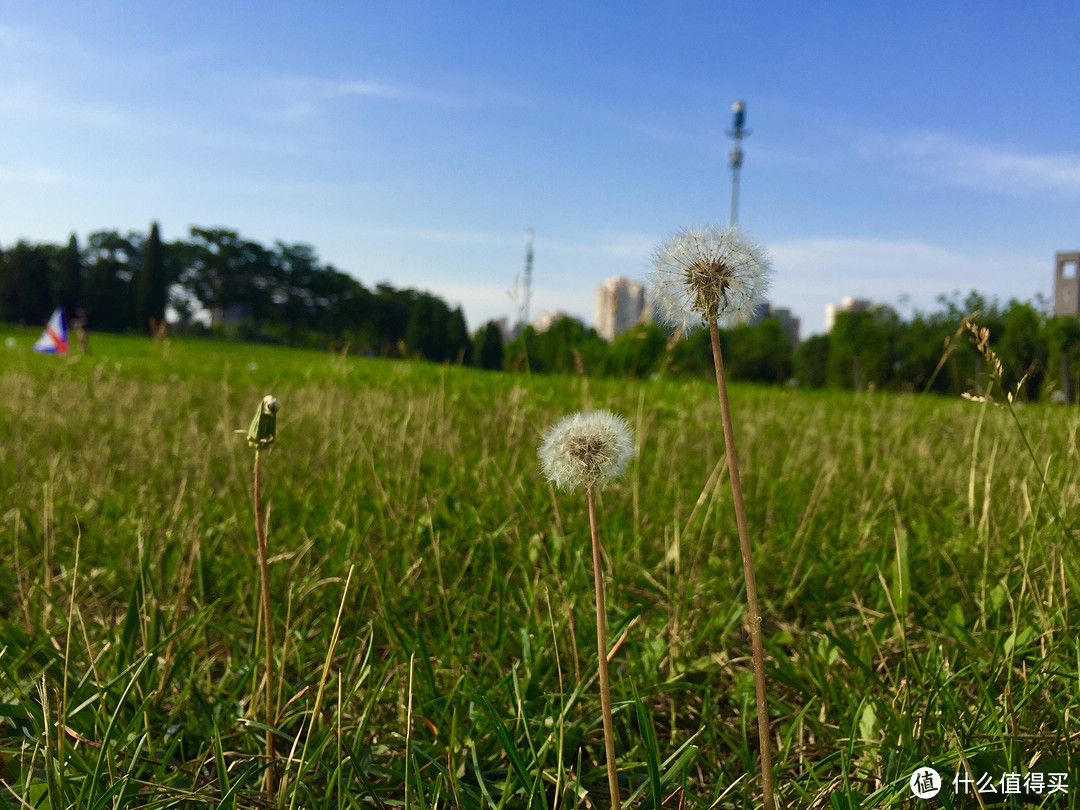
(432, 594)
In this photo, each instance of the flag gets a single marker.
(54, 340)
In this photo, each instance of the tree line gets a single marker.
(220, 282)
(874, 349)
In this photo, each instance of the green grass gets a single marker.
(916, 583)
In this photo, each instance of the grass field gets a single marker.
(917, 582)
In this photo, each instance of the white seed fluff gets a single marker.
(587, 449)
(704, 273)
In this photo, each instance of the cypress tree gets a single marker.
(27, 294)
(69, 281)
(490, 346)
(152, 290)
(457, 337)
(418, 332)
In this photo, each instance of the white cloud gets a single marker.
(38, 176)
(949, 160)
(635, 247)
(445, 236)
(484, 302)
(814, 272)
(292, 97)
(35, 100)
(26, 41)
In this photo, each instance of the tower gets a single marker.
(738, 132)
(1067, 283)
(528, 273)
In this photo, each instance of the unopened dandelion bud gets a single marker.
(263, 428)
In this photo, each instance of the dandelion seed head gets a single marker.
(704, 273)
(586, 449)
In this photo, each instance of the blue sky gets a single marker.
(898, 150)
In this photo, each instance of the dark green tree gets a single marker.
(390, 319)
(25, 292)
(861, 348)
(1023, 348)
(111, 262)
(228, 275)
(488, 347)
(348, 316)
(921, 344)
(152, 282)
(554, 347)
(964, 365)
(426, 332)
(459, 348)
(299, 286)
(1063, 354)
(691, 356)
(69, 278)
(810, 361)
(759, 353)
(518, 354)
(637, 352)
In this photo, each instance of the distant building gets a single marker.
(847, 304)
(546, 320)
(788, 322)
(763, 311)
(621, 305)
(506, 331)
(1067, 283)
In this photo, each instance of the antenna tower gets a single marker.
(528, 274)
(738, 131)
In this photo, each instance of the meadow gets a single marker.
(432, 593)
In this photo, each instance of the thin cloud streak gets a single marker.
(885, 270)
(35, 102)
(944, 159)
(290, 98)
(32, 176)
(293, 98)
(634, 247)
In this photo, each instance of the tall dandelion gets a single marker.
(718, 277)
(591, 449)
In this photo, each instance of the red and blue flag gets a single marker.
(54, 340)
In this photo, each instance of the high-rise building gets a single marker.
(1067, 283)
(788, 322)
(545, 320)
(621, 305)
(847, 304)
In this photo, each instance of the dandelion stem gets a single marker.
(264, 577)
(602, 660)
(767, 790)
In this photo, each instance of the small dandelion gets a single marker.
(586, 449)
(711, 273)
(591, 450)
